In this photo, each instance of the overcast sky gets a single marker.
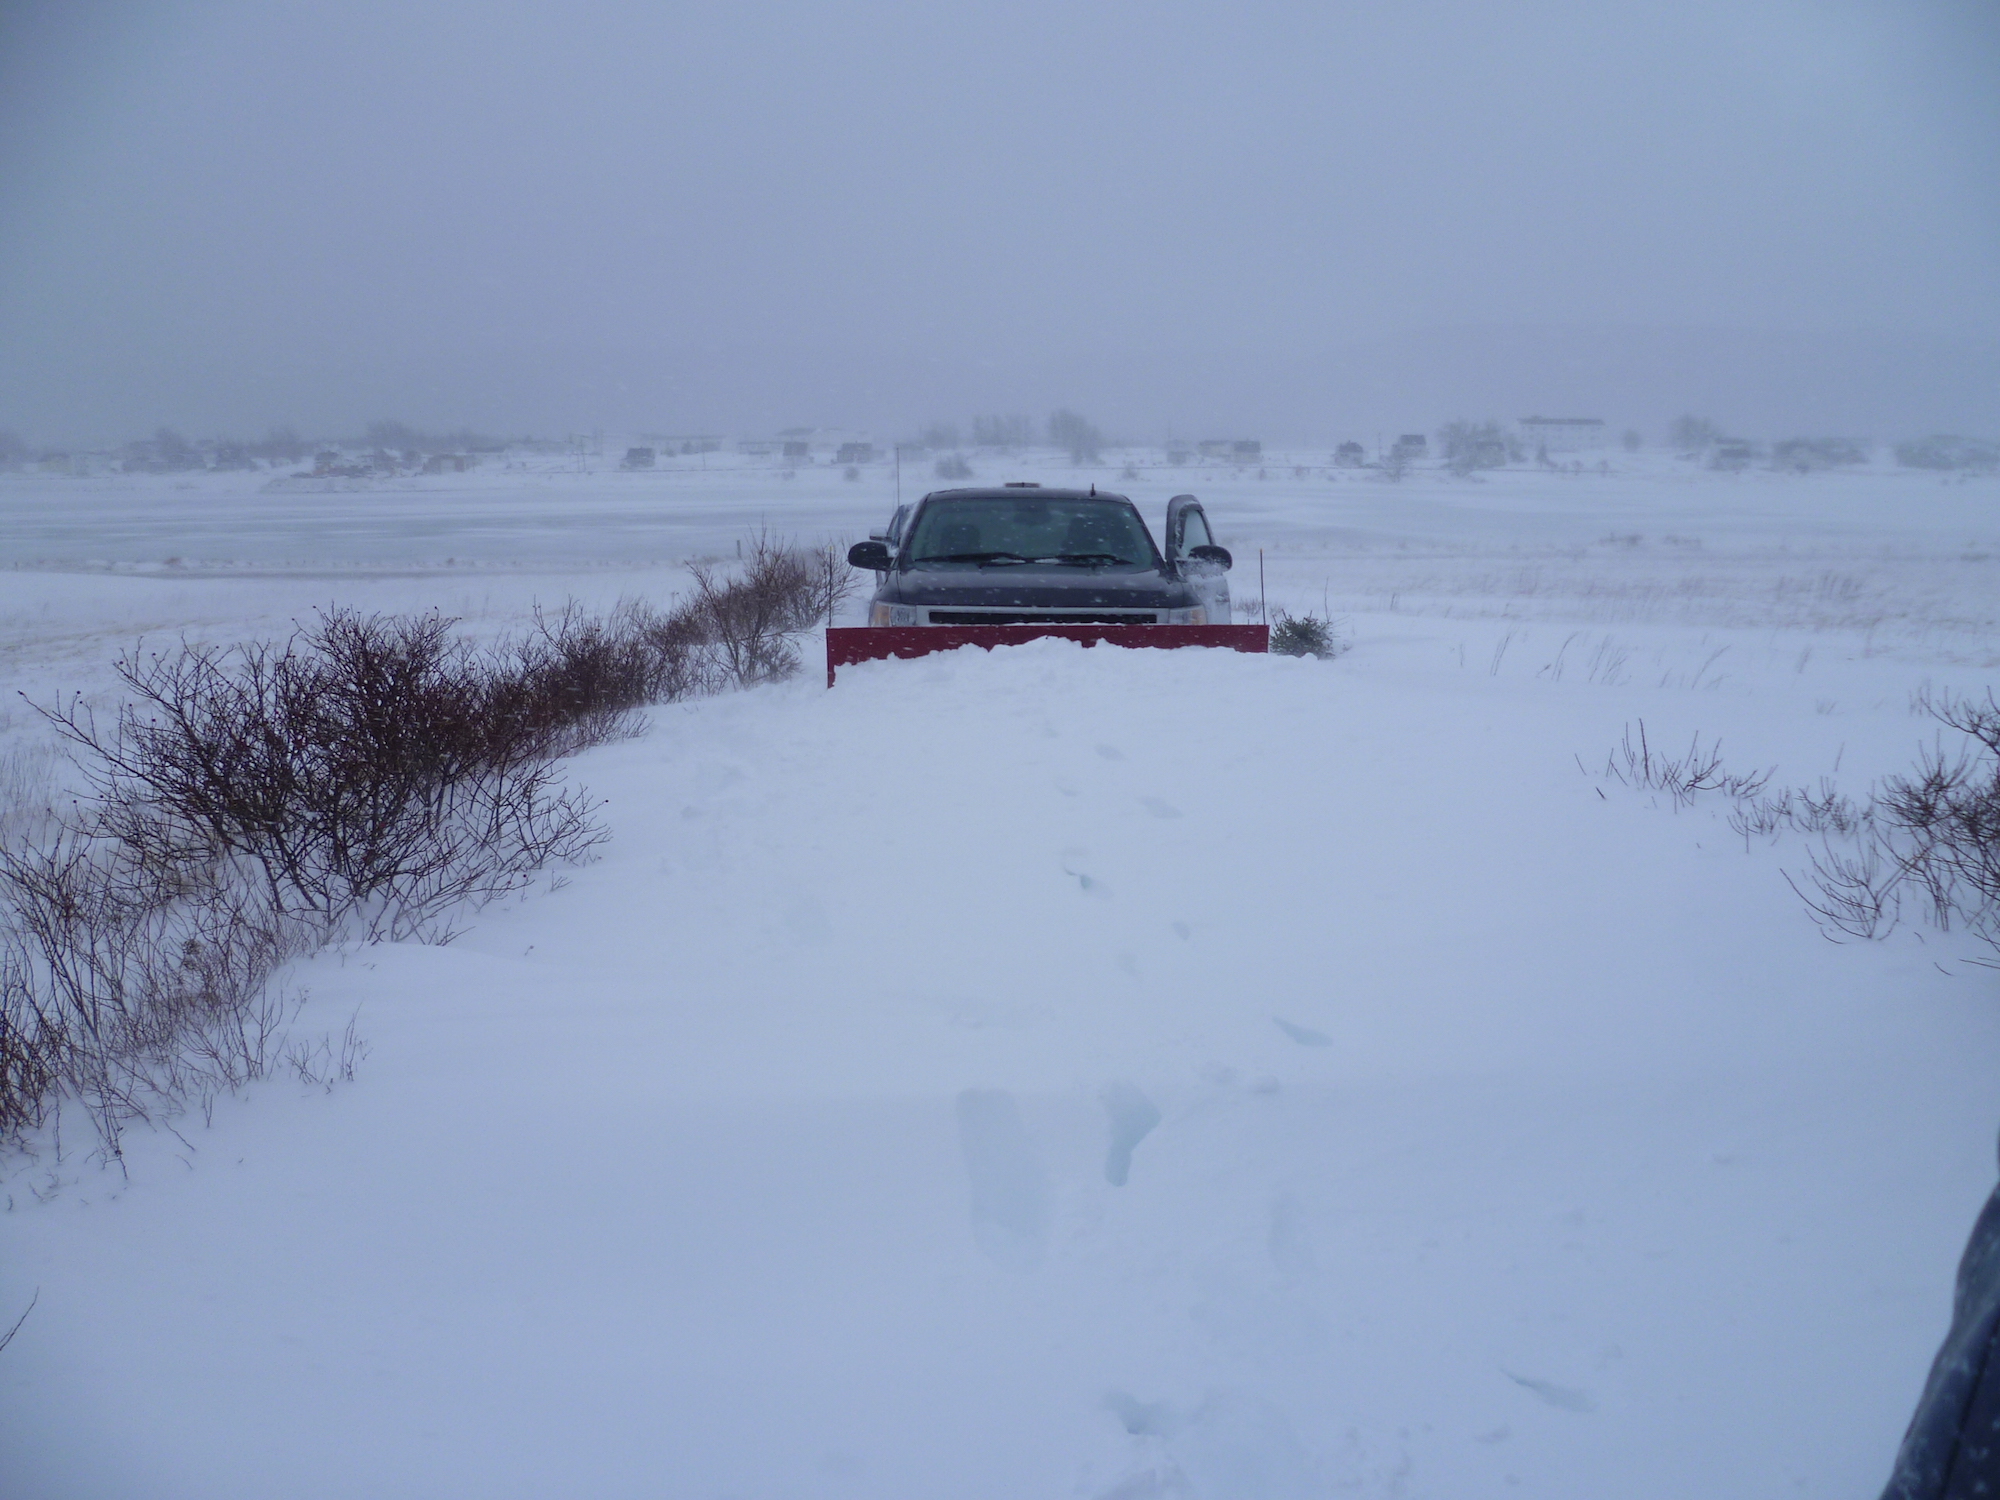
(1289, 218)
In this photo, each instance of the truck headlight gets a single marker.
(893, 614)
(1194, 615)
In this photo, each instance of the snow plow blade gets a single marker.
(847, 645)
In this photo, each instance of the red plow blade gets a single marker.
(849, 644)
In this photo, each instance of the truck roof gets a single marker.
(1021, 491)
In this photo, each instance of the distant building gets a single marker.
(639, 458)
(855, 453)
(797, 451)
(1562, 434)
(1731, 454)
(1804, 455)
(1946, 452)
(447, 463)
(1178, 452)
(1411, 445)
(1349, 456)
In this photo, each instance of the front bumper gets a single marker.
(900, 615)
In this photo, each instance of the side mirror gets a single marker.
(1210, 554)
(873, 556)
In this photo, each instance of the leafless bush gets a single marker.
(373, 775)
(27, 792)
(368, 768)
(1682, 777)
(127, 989)
(1934, 834)
(747, 625)
(1801, 810)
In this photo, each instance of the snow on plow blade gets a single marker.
(846, 645)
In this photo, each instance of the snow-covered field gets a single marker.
(1064, 1072)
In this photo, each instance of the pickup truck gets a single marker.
(1020, 554)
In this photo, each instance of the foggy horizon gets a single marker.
(1291, 224)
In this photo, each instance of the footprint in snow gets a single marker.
(1305, 1036)
(1010, 1187)
(1229, 1445)
(1559, 1396)
(1110, 752)
(1159, 807)
(1088, 884)
(1133, 1117)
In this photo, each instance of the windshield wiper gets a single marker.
(1092, 558)
(982, 558)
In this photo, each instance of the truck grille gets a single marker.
(1050, 617)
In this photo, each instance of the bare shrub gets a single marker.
(1931, 835)
(373, 775)
(577, 680)
(1825, 811)
(1682, 777)
(747, 624)
(1934, 833)
(128, 989)
(369, 768)
(27, 792)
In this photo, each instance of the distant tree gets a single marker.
(1805, 455)
(169, 451)
(1475, 445)
(1693, 434)
(1002, 432)
(1633, 441)
(1070, 431)
(939, 436)
(231, 455)
(390, 434)
(1946, 452)
(282, 443)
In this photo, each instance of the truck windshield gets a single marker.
(995, 531)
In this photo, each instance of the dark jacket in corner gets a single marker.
(1952, 1450)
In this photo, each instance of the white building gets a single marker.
(1554, 435)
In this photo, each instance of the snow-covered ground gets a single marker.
(1073, 1073)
